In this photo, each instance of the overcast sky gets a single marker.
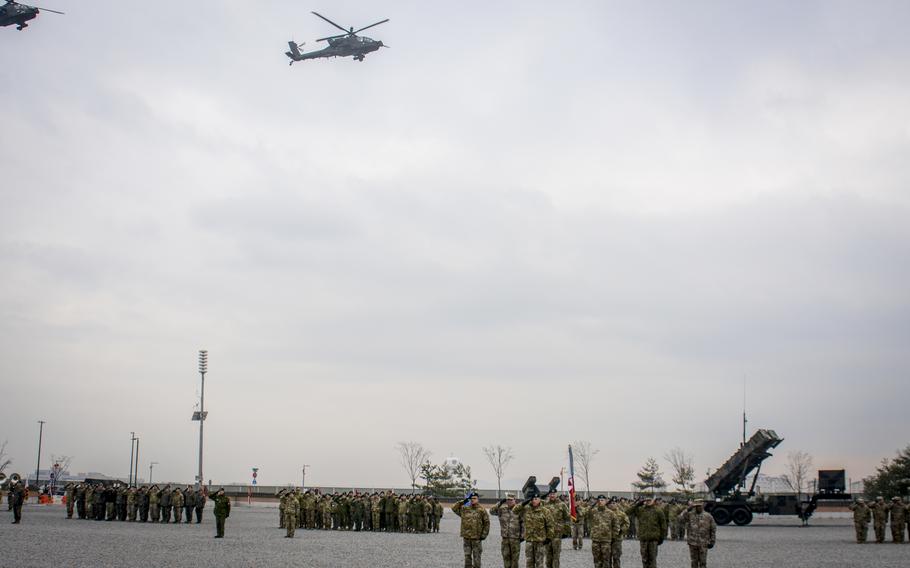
(523, 224)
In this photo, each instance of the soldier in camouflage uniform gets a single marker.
(80, 500)
(437, 514)
(578, 525)
(562, 521)
(177, 503)
(357, 513)
(622, 525)
(375, 512)
(403, 514)
(603, 530)
(291, 514)
(142, 497)
(69, 495)
(475, 526)
(154, 503)
(309, 510)
(898, 513)
(701, 532)
(164, 503)
(652, 526)
(282, 503)
(539, 529)
(131, 504)
(879, 518)
(222, 511)
(509, 529)
(189, 503)
(862, 514)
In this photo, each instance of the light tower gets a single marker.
(201, 413)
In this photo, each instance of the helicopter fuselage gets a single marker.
(17, 14)
(357, 47)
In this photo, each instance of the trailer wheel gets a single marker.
(721, 516)
(742, 517)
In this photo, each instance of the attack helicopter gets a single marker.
(15, 13)
(348, 44)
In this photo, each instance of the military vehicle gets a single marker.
(348, 44)
(15, 13)
(733, 503)
(530, 489)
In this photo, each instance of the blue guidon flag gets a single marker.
(573, 512)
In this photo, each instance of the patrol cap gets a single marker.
(895, 498)
(599, 497)
(510, 496)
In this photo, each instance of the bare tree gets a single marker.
(412, 455)
(683, 469)
(499, 459)
(584, 455)
(63, 461)
(4, 461)
(799, 464)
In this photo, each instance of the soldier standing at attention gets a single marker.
(437, 514)
(652, 526)
(861, 516)
(562, 528)
(603, 530)
(578, 525)
(898, 513)
(879, 518)
(622, 525)
(509, 529)
(80, 500)
(222, 511)
(69, 493)
(189, 503)
(200, 503)
(538, 528)
(291, 513)
(177, 503)
(16, 497)
(475, 526)
(700, 533)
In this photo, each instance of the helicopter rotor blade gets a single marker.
(371, 25)
(40, 8)
(331, 22)
(332, 37)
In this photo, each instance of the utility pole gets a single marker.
(129, 482)
(136, 475)
(303, 476)
(201, 413)
(151, 465)
(40, 436)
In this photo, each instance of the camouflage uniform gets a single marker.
(603, 530)
(475, 526)
(80, 500)
(291, 514)
(164, 502)
(562, 521)
(309, 510)
(510, 530)
(539, 528)
(701, 530)
(879, 519)
(652, 526)
(142, 497)
(70, 495)
(375, 513)
(177, 503)
(131, 504)
(861, 516)
(282, 503)
(403, 515)
(189, 503)
(622, 525)
(154, 503)
(898, 513)
(578, 525)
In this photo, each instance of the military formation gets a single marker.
(881, 514)
(117, 502)
(384, 511)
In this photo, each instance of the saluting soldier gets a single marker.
(222, 511)
(862, 514)
(562, 526)
(509, 529)
(652, 526)
(189, 503)
(475, 526)
(603, 530)
(200, 503)
(177, 503)
(538, 530)
(701, 533)
(16, 497)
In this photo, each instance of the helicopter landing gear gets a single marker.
(358, 58)
(21, 27)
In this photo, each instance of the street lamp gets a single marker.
(151, 466)
(201, 414)
(38, 467)
(129, 482)
(136, 475)
(303, 476)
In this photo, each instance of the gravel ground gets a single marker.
(46, 539)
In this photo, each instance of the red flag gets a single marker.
(572, 510)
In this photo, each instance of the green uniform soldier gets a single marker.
(578, 525)
(898, 513)
(132, 506)
(200, 504)
(879, 518)
(291, 514)
(189, 503)
(562, 521)
(539, 528)
(475, 526)
(282, 503)
(622, 525)
(862, 514)
(154, 504)
(164, 503)
(509, 529)
(603, 530)
(222, 511)
(69, 495)
(376, 512)
(652, 526)
(437, 514)
(177, 504)
(701, 533)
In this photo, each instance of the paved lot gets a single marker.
(46, 539)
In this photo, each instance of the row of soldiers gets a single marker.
(116, 501)
(543, 525)
(672, 509)
(382, 511)
(881, 513)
